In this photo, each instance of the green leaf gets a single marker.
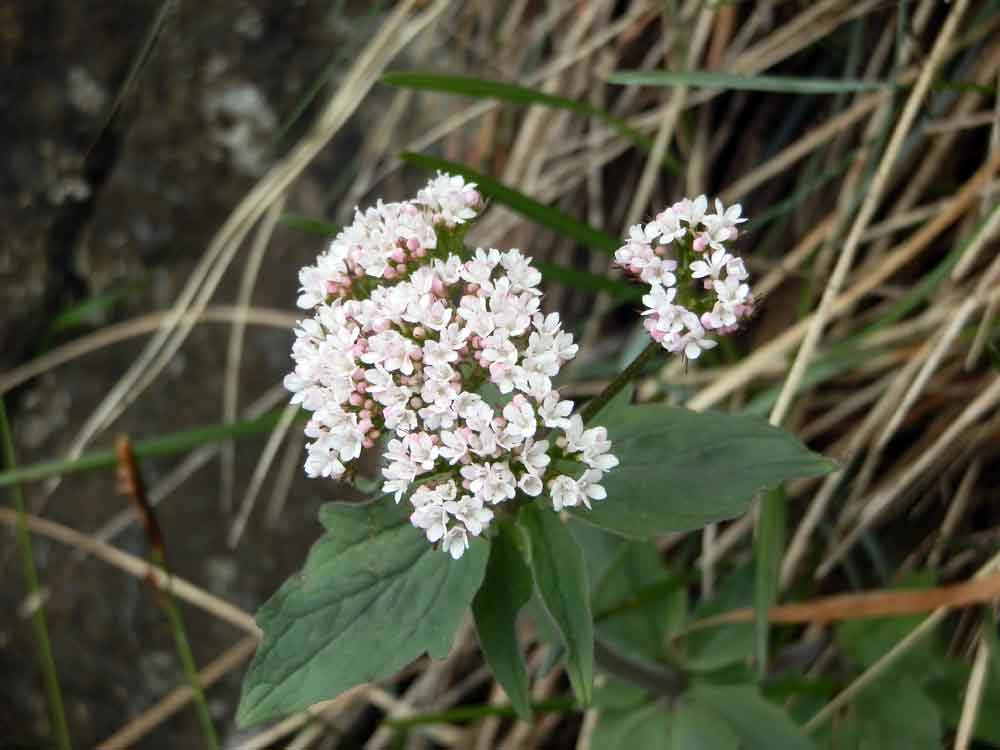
(736, 82)
(373, 596)
(992, 642)
(506, 588)
(681, 470)
(647, 726)
(698, 728)
(900, 718)
(546, 216)
(163, 445)
(866, 641)
(561, 580)
(711, 649)
(591, 282)
(947, 686)
(309, 225)
(760, 725)
(617, 408)
(635, 602)
(768, 548)
(91, 310)
(481, 88)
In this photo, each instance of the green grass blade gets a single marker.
(770, 545)
(46, 661)
(546, 216)
(175, 619)
(164, 445)
(308, 225)
(512, 93)
(592, 282)
(735, 82)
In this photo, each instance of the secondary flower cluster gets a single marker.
(448, 360)
(685, 244)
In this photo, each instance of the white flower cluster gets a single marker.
(697, 254)
(408, 358)
(387, 241)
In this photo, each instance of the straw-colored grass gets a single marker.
(890, 266)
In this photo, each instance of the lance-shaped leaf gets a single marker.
(373, 596)
(507, 588)
(682, 470)
(561, 579)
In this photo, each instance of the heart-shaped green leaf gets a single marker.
(373, 596)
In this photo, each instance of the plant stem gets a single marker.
(46, 661)
(625, 377)
(658, 679)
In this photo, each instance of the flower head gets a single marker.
(697, 287)
(402, 342)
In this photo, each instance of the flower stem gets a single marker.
(625, 377)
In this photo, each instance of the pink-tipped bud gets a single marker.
(368, 443)
(374, 433)
(369, 404)
(364, 425)
(413, 244)
(355, 399)
(389, 273)
(420, 252)
(419, 332)
(401, 268)
(700, 243)
(398, 255)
